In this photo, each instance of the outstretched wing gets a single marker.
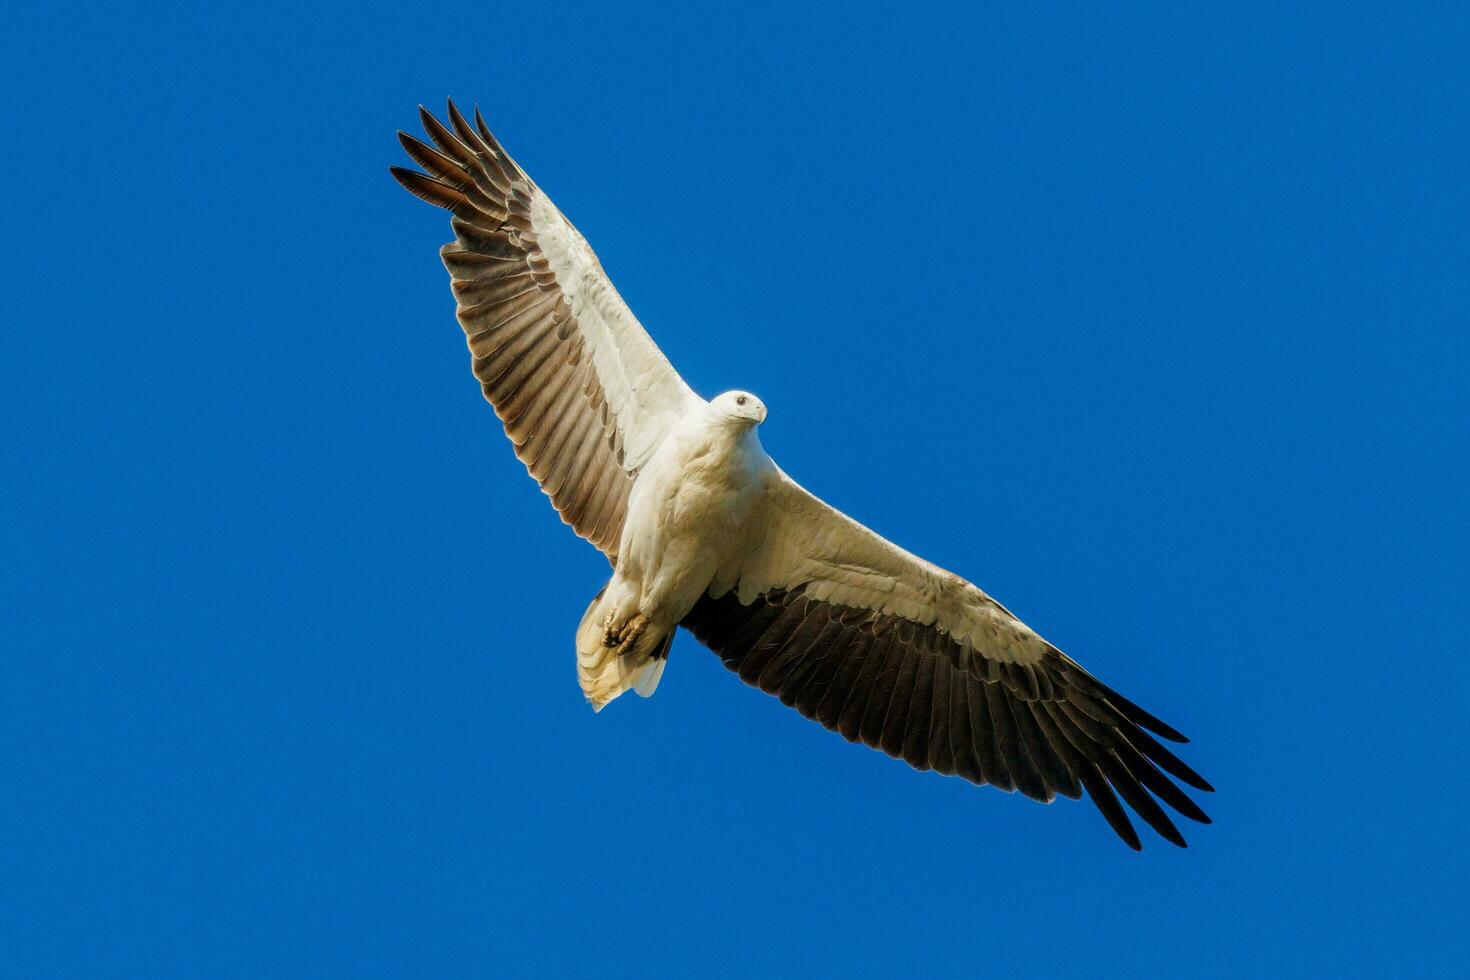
(584, 393)
(894, 652)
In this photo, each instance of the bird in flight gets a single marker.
(706, 532)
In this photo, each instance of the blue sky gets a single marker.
(1152, 322)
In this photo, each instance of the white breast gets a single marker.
(691, 511)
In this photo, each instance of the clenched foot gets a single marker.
(632, 629)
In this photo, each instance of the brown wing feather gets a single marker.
(523, 337)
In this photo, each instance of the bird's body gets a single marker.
(693, 511)
(705, 532)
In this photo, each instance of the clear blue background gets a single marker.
(1151, 322)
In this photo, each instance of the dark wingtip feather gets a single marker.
(428, 189)
(461, 125)
(1148, 808)
(435, 163)
(1167, 760)
(1107, 804)
(1174, 767)
(456, 119)
(1139, 716)
(408, 141)
(484, 129)
(1159, 784)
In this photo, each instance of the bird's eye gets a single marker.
(740, 400)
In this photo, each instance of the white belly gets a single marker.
(690, 513)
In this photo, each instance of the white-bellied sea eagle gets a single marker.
(704, 531)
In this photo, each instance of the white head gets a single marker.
(741, 407)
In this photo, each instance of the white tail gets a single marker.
(607, 670)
